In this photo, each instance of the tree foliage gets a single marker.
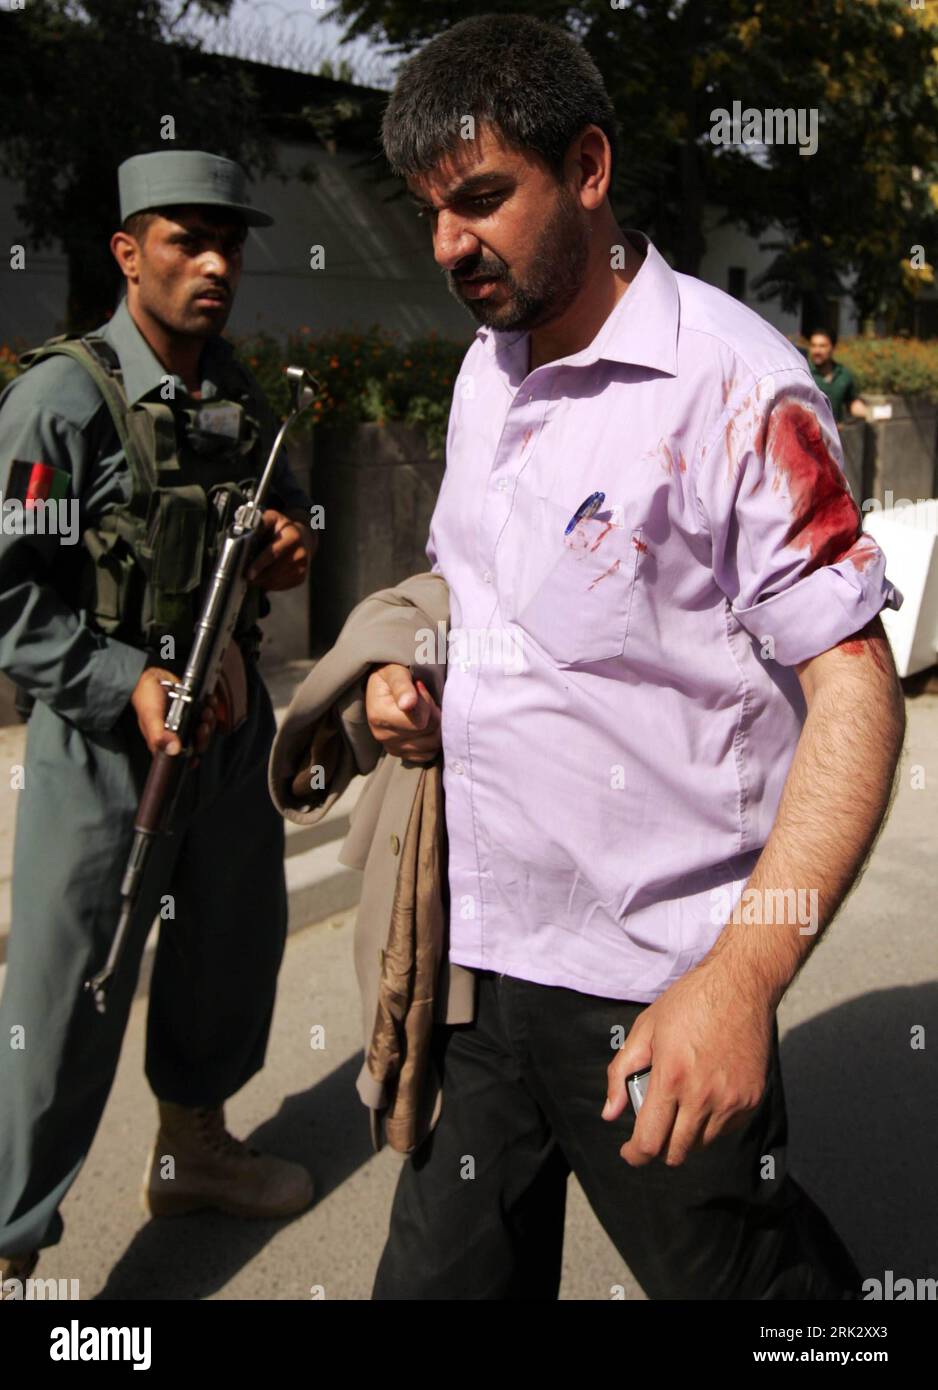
(86, 86)
(852, 209)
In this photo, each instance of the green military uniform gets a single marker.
(220, 873)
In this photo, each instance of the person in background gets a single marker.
(833, 378)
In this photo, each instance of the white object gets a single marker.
(881, 412)
(908, 537)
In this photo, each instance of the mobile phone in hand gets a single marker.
(638, 1088)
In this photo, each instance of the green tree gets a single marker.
(857, 205)
(86, 86)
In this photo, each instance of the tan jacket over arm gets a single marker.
(322, 744)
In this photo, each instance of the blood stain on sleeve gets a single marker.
(863, 552)
(825, 518)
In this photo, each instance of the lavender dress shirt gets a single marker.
(621, 708)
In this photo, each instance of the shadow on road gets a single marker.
(192, 1257)
(863, 1126)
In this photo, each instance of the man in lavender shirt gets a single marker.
(671, 720)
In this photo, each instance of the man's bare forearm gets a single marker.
(835, 799)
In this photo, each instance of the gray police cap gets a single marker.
(170, 178)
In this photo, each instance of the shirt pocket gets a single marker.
(580, 611)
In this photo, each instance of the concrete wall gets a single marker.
(378, 488)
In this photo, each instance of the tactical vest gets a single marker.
(146, 563)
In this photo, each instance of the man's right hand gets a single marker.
(402, 716)
(150, 701)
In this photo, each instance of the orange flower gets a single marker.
(407, 362)
(333, 361)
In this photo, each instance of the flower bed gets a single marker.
(892, 366)
(370, 376)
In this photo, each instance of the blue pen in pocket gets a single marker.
(586, 509)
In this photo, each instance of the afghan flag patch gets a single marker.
(30, 483)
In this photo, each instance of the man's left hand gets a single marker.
(284, 562)
(707, 1039)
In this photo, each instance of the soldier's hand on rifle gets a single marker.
(284, 562)
(150, 701)
(402, 716)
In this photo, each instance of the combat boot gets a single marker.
(18, 1267)
(196, 1164)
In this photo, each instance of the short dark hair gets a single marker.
(824, 333)
(530, 79)
(138, 223)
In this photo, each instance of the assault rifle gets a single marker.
(243, 539)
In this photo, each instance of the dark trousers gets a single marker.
(218, 886)
(479, 1208)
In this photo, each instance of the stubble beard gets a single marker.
(555, 278)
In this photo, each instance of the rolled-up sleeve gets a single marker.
(787, 546)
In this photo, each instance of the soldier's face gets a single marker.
(189, 266)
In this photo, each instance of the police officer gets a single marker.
(89, 630)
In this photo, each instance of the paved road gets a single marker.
(861, 1102)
